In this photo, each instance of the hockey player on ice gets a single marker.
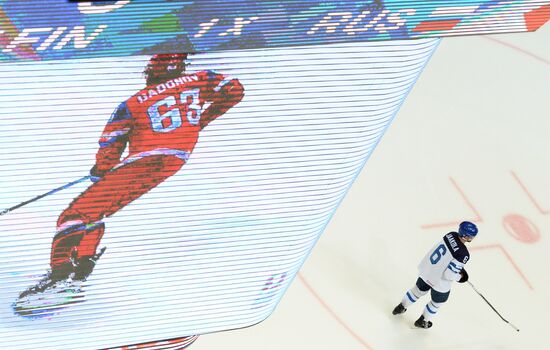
(441, 266)
(160, 125)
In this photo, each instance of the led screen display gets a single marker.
(56, 29)
(166, 167)
(145, 200)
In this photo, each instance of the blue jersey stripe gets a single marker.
(120, 113)
(453, 267)
(103, 144)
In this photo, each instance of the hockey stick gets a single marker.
(5, 211)
(495, 310)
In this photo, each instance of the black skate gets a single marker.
(84, 266)
(57, 289)
(48, 297)
(421, 323)
(399, 309)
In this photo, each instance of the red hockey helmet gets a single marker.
(164, 66)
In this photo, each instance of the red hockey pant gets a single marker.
(79, 227)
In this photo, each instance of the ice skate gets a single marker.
(57, 289)
(48, 296)
(84, 266)
(421, 323)
(399, 309)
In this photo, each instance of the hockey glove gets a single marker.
(463, 276)
(96, 175)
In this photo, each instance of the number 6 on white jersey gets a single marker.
(437, 254)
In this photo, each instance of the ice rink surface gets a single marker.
(472, 143)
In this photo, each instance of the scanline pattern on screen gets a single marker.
(257, 192)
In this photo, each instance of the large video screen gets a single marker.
(57, 29)
(159, 196)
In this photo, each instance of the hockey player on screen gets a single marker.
(160, 125)
(441, 266)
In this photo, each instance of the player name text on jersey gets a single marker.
(452, 241)
(160, 88)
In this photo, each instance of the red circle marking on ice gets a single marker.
(521, 228)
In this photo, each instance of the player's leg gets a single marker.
(431, 309)
(411, 296)
(79, 227)
(75, 245)
(146, 174)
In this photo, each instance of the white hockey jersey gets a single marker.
(443, 263)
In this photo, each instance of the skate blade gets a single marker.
(47, 303)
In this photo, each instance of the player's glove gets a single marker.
(96, 175)
(463, 276)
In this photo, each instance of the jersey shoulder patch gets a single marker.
(120, 113)
(456, 247)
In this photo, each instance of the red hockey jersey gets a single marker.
(166, 118)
